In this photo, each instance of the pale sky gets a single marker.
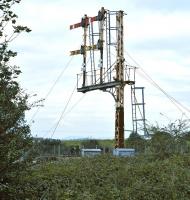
(157, 36)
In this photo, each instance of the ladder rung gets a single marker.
(95, 34)
(138, 88)
(112, 43)
(113, 28)
(138, 120)
(138, 104)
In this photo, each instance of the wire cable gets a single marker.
(64, 115)
(63, 112)
(176, 103)
(51, 88)
(75, 104)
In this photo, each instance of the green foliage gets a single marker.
(137, 142)
(162, 144)
(14, 132)
(160, 170)
(90, 143)
(169, 140)
(109, 178)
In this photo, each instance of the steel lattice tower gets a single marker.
(106, 72)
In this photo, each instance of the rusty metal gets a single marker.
(84, 24)
(80, 51)
(113, 78)
(138, 110)
(119, 115)
(101, 14)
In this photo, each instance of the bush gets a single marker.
(107, 178)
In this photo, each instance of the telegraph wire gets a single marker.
(174, 101)
(63, 112)
(51, 88)
(65, 108)
(150, 80)
(75, 104)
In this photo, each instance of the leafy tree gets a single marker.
(186, 136)
(178, 128)
(136, 141)
(90, 143)
(14, 132)
(170, 139)
(162, 144)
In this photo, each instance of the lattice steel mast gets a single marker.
(119, 114)
(114, 76)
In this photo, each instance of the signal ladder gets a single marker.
(138, 110)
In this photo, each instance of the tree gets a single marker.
(137, 142)
(162, 144)
(90, 143)
(171, 139)
(15, 137)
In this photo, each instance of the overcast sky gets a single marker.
(157, 36)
